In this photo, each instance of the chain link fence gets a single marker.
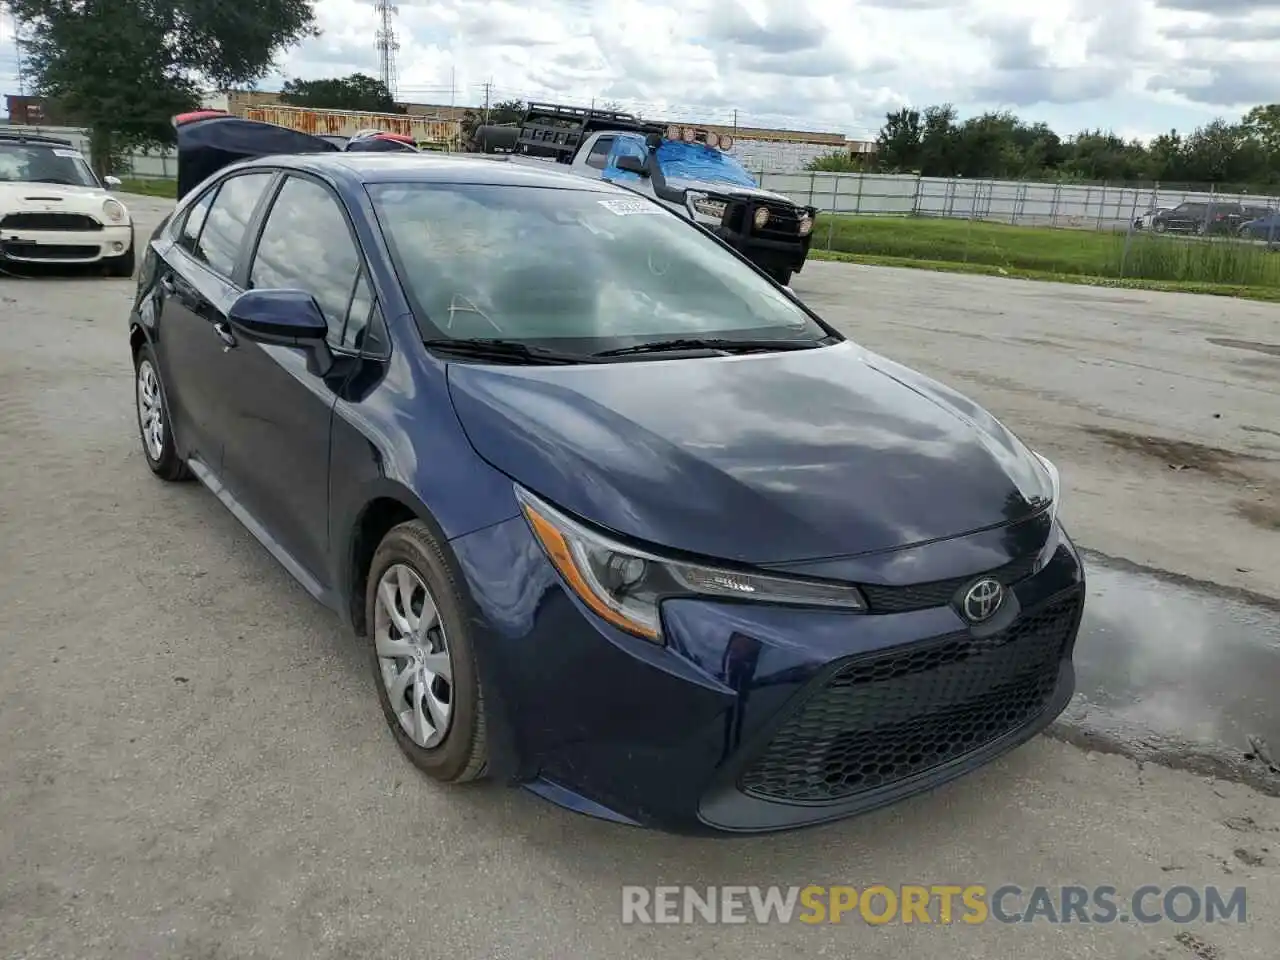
(1150, 231)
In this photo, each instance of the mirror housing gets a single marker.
(289, 318)
(112, 183)
(632, 165)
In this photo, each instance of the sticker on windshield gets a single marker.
(625, 208)
(73, 154)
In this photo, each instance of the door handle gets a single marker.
(224, 333)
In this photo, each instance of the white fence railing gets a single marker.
(1096, 206)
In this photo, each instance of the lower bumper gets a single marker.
(674, 737)
(766, 253)
(64, 246)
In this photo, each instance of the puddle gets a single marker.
(1179, 674)
(1271, 349)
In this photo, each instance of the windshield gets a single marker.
(40, 163)
(697, 161)
(578, 270)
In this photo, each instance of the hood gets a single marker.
(724, 188)
(761, 459)
(53, 197)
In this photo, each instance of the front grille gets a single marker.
(938, 593)
(49, 221)
(784, 223)
(888, 717)
(48, 251)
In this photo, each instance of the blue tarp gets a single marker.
(697, 161)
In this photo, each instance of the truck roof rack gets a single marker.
(11, 135)
(555, 130)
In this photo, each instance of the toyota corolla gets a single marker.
(618, 518)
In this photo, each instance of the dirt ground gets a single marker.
(1161, 410)
(193, 763)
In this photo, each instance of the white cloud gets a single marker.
(1137, 66)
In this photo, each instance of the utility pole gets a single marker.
(17, 42)
(488, 85)
(387, 44)
(735, 124)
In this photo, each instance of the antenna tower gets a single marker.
(387, 43)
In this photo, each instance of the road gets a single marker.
(194, 765)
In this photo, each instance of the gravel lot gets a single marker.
(193, 764)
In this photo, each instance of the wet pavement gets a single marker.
(1178, 673)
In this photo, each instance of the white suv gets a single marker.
(53, 208)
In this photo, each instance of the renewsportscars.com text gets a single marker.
(932, 904)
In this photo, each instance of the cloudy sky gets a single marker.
(1136, 66)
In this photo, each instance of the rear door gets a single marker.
(197, 287)
(278, 413)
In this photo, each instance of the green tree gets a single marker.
(356, 92)
(123, 68)
(898, 144)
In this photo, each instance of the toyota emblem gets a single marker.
(982, 600)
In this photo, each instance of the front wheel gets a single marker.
(154, 426)
(421, 654)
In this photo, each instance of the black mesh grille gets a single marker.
(47, 251)
(885, 718)
(784, 222)
(49, 221)
(938, 593)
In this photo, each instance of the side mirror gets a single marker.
(632, 164)
(112, 183)
(290, 318)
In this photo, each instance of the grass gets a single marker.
(151, 188)
(1225, 267)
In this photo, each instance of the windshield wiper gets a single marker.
(710, 343)
(490, 348)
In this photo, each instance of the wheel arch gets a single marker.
(387, 506)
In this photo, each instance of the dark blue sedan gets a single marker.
(617, 517)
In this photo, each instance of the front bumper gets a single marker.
(778, 246)
(24, 245)
(754, 717)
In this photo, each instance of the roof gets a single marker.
(16, 135)
(438, 168)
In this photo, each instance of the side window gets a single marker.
(306, 245)
(629, 147)
(196, 216)
(599, 155)
(225, 226)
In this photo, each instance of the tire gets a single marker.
(455, 750)
(122, 266)
(149, 401)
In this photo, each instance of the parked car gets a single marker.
(1144, 219)
(617, 517)
(1200, 218)
(1266, 227)
(55, 210)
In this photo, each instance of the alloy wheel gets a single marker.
(413, 655)
(150, 410)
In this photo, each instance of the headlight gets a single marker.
(1055, 483)
(113, 210)
(711, 209)
(761, 217)
(806, 225)
(625, 585)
